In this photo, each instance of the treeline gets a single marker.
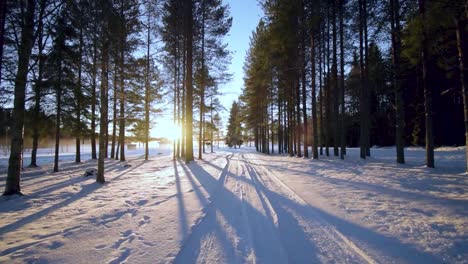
(97, 69)
(331, 74)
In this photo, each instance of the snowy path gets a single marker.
(251, 220)
(238, 206)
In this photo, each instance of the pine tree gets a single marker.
(234, 136)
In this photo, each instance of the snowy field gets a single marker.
(238, 206)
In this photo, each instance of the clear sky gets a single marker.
(246, 14)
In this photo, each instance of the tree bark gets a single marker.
(114, 116)
(104, 103)
(399, 111)
(460, 24)
(362, 94)
(39, 84)
(58, 114)
(79, 94)
(24, 52)
(202, 84)
(427, 90)
(3, 12)
(314, 97)
(342, 82)
(93, 97)
(189, 83)
(336, 97)
(147, 83)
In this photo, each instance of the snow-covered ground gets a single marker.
(238, 206)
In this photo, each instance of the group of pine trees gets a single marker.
(331, 74)
(89, 69)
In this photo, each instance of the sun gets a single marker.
(166, 128)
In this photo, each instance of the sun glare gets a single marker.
(167, 129)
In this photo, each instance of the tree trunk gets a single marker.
(122, 109)
(427, 91)
(342, 82)
(399, 111)
(362, 94)
(147, 83)
(79, 95)
(24, 52)
(38, 85)
(321, 61)
(3, 12)
(460, 24)
(93, 94)
(202, 83)
(104, 103)
(366, 79)
(114, 117)
(314, 97)
(189, 84)
(57, 117)
(336, 97)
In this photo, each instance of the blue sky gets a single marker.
(246, 14)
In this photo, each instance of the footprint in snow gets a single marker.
(142, 202)
(98, 247)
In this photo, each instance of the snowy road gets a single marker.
(255, 218)
(238, 206)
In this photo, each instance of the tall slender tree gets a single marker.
(24, 52)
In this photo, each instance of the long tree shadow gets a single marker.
(458, 206)
(388, 246)
(181, 204)
(229, 206)
(22, 203)
(86, 190)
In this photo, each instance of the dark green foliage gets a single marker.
(234, 128)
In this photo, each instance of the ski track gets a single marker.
(231, 207)
(247, 221)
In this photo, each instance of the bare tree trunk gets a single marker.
(114, 116)
(57, 116)
(342, 82)
(147, 83)
(60, 42)
(189, 84)
(399, 114)
(24, 52)
(362, 94)
(93, 99)
(298, 119)
(104, 103)
(314, 97)
(321, 130)
(122, 110)
(336, 93)
(3, 12)
(427, 90)
(79, 94)
(39, 84)
(460, 24)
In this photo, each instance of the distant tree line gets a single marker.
(332, 74)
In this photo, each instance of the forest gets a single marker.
(321, 74)
(332, 74)
(345, 126)
(97, 70)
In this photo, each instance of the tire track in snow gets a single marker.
(239, 224)
(339, 238)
